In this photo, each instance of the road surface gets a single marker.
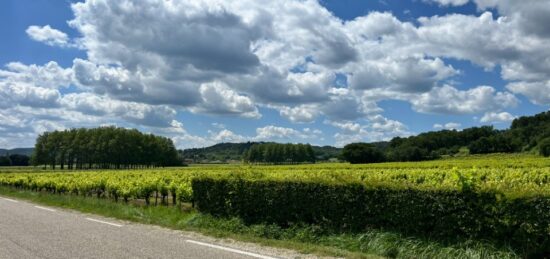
(29, 230)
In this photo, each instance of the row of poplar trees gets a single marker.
(275, 153)
(105, 148)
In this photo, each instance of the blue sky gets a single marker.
(325, 72)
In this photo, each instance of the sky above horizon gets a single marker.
(327, 72)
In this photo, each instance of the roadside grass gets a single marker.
(302, 238)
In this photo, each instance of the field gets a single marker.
(501, 198)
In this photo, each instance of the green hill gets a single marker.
(16, 151)
(233, 152)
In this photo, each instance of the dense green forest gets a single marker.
(104, 147)
(227, 152)
(14, 160)
(120, 148)
(275, 153)
(16, 151)
(526, 134)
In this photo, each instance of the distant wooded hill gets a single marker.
(227, 152)
(16, 151)
(526, 134)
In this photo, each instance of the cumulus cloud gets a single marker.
(138, 113)
(227, 58)
(408, 74)
(280, 53)
(448, 126)
(48, 35)
(34, 86)
(272, 132)
(537, 92)
(49, 75)
(376, 128)
(447, 99)
(218, 98)
(448, 2)
(300, 114)
(497, 117)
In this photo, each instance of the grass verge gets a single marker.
(303, 238)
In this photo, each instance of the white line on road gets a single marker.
(42, 208)
(230, 249)
(9, 200)
(104, 222)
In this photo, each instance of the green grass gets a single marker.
(303, 238)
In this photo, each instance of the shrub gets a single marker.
(360, 153)
(523, 222)
(544, 147)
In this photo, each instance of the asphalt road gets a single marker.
(31, 231)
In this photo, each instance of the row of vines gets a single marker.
(176, 183)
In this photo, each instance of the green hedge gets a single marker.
(524, 223)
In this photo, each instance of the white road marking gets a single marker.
(9, 200)
(42, 208)
(230, 249)
(104, 222)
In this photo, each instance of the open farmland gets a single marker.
(505, 198)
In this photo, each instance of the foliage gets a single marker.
(544, 147)
(5, 161)
(14, 160)
(226, 152)
(357, 153)
(524, 221)
(524, 134)
(275, 153)
(219, 152)
(19, 160)
(105, 147)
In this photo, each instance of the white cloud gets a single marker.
(377, 128)
(347, 127)
(448, 126)
(218, 98)
(34, 86)
(537, 92)
(48, 35)
(408, 74)
(267, 42)
(447, 99)
(231, 57)
(497, 117)
(226, 135)
(300, 114)
(267, 133)
(50, 75)
(138, 113)
(272, 132)
(448, 2)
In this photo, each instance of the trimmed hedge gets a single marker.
(524, 223)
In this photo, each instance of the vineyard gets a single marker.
(497, 197)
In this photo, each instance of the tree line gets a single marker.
(526, 133)
(105, 148)
(275, 153)
(14, 160)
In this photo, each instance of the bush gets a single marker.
(544, 147)
(360, 153)
(409, 153)
(447, 214)
(5, 161)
